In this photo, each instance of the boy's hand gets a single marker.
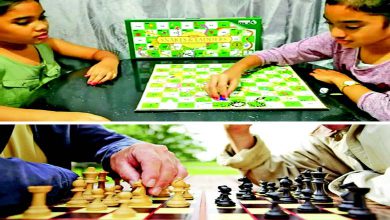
(154, 164)
(328, 76)
(105, 70)
(222, 85)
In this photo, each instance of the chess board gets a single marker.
(158, 210)
(175, 87)
(200, 38)
(255, 209)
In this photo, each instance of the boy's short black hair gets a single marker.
(6, 4)
(375, 7)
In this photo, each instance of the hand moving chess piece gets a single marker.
(38, 208)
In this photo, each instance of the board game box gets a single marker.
(196, 38)
(175, 87)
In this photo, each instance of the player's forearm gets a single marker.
(353, 92)
(246, 63)
(101, 55)
(19, 114)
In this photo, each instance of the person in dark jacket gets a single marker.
(42, 155)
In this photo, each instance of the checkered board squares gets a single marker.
(186, 38)
(176, 87)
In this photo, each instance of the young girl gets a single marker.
(358, 42)
(27, 62)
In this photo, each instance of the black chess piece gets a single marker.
(285, 188)
(306, 182)
(347, 196)
(319, 194)
(223, 199)
(241, 187)
(307, 206)
(299, 185)
(219, 190)
(271, 188)
(263, 188)
(275, 212)
(359, 209)
(248, 195)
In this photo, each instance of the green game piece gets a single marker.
(186, 105)
(147, 105)
(292, 104)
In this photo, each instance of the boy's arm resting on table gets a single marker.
(20, 114)
(17, 175)
(257, 163)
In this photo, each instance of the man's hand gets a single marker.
(241, 136)
(154, 164)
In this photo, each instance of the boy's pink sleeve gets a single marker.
(311, 49)
(376, 104)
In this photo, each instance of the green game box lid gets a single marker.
(193, 38)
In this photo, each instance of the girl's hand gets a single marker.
(221, 85)
(329, 76)
(106, 69)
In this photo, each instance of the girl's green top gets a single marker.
(21, 83)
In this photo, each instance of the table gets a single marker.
(118, 99)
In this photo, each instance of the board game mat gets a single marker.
(193, 38)
(176, 87)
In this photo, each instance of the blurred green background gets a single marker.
(178, 139)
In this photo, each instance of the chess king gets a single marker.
(32, 155)
(347, 153)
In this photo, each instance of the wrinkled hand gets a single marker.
(154, 164)
(222, 85)
(328, 76)
(103, 71)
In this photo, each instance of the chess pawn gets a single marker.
(298, 184)
(124, 211)
(97, 204)
(347, 196)
(359, 209)
(275, 212)
(263, 188)
(110, 200)
(164, 193)
(78, 188)
(90, 175)
(38, 208)
(187, 195)
(139, 196)
(307, 206)
(178, 201)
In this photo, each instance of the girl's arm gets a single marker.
(106, 69)
(19, 114)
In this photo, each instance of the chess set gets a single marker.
(181, 87)
(309, 200)
(193, 38)
(303, 199)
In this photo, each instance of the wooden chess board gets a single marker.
(204, 189)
